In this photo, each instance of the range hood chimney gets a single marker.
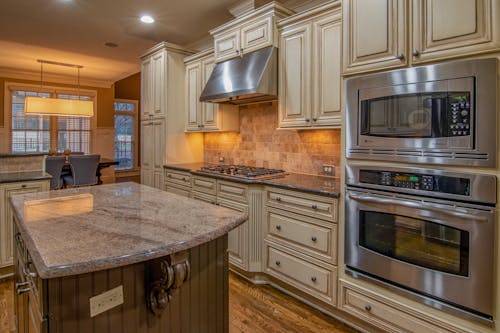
(252, 78)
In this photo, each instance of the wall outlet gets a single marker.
(328, 170)
(105, 301)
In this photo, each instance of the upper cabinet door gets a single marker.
(227, 45)
(374, 35)
(209, 111)
(146, 91)
(158, 75)
(193, 91)
(257, 35)
(454, 28)
(327, 37)
(294, 76)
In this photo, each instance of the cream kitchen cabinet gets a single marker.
(162, 128)
(6, 217)
(310, 68)
(378, 36)
(205, 117)
(301, 242)
(444, 29)
(249, 32)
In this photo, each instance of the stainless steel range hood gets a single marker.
(249, 79)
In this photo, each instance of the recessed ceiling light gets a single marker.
(147, 19)
(111, 44)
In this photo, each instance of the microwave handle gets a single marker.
(364, 198)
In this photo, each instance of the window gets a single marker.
(41, 134)
(125, 134)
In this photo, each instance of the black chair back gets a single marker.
(54, 166)
(83, 169)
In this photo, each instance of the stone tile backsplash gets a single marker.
(260, 144)
(21, 163)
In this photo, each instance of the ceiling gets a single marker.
(74, 31)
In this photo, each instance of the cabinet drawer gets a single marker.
(177, 177)
(205, 185)
(304, 234)
(180, 190)
(232, 191)
(386, 314)
(309, 204)
(304, 275)
(204, 197)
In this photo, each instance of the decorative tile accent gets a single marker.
(259, 143)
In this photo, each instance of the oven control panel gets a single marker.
(416, 181)
(459, 114)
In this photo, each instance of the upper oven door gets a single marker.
(436, 248)
(430, 115)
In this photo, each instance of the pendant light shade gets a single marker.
(58, 107)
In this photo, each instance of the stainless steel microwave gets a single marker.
(441, 114)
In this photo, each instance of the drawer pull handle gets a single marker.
(368, 307)
(21, 284)
(278, 263)
(313, 279)
(24, 186)
(314, 238)
(314, 206)
(22, 291)
(278, 227)
(278, 199)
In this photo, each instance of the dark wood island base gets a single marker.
(62, 304)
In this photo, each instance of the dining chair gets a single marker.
(54, 166)
(83, 170)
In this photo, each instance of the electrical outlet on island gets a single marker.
(328, 170)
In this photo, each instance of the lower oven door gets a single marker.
(437, 248)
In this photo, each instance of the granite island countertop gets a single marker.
(87, 229)
(316, 184)
(22, 176)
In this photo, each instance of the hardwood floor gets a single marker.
(264, 309)
(252, 309)
(7, 324)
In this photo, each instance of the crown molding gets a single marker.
(19, 74)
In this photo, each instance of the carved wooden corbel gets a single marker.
(166, 274)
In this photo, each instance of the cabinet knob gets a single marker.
(278, 199)
(308, 120)
(183, 179)
(415, 53)
(313, 279)
(24, 186)
(237, 51)
(400, 56)
(315, 119)
(314, 238)
(278, 263)
(278, 227)
(169, 176)
(314, 206)
(368, 307)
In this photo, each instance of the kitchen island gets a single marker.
(121, 258)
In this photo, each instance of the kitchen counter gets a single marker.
(88, 229)
(11, 177)
(329, 186)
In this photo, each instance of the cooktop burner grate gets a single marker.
(242, 171)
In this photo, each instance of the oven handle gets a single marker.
(364, 198)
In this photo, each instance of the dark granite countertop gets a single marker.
(11, 177)
(87, 229)
(316, 184)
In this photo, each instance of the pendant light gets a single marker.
(57, 106)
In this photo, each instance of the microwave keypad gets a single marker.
(459, 115)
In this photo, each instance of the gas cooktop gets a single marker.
(242, 171)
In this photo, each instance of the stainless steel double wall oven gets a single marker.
(423, 231)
